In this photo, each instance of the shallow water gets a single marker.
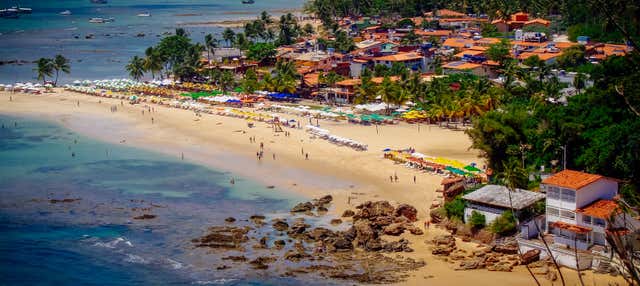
(45, 33)
(93, 239)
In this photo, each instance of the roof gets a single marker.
(311, 79)
(497, 195)
(571, 179)
(367, 44)
(601, 209)
(538, 21)
(459, 65)
(468, 52)
(571, 227)
(449, 13)
(452, 180)
(458, 43)
(378, 80)
(399, 57)
(542, 56)
(435, 33)
(349, 82)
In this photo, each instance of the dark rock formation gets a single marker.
(280, 225)
(407, 211)
(302, 207)
(336, 221)
(223, 237)
(145, 216)
(530, 256)
(230, 219)
(348, 213)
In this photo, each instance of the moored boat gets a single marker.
(248, 1)
(144, 14)
(65, 13)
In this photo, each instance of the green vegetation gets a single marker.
(504, 224)
(477, 220)
(46, 67)
(455, 208)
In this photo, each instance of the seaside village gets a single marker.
(575, 216)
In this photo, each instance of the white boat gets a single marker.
(65, 13)
(145, 14)
(98, 20)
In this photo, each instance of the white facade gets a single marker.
(561, 206)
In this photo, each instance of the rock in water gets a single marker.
(348, 213)
(230, 219)
(336, 221)
(302, 207)
(324, 200)
(408, 211)
(145, 216)
(280, 225)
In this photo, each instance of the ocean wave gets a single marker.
(132, 258)
(114, 243)
(214, 282)
(175, 264)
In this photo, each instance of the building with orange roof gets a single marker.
(548, 58)
(458, 43)
(411, 60)
(518, 21)
(464, 67)
(580, 208)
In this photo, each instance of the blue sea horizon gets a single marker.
(46, 33)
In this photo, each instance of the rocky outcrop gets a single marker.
(325, 200)
(302, 207)
(407, 211)
(530, 256)
(348, 213)
(296, 256)
(145, 216)
(230, 219)
(394, 229)
(336, 221)
(370, 209)
(280, 225)
(223, 237)
(506, 246)
(261, 262)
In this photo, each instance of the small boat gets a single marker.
(65, 13)
(10, 13)
(248, 1)
(145, 14)
(25, 10)
(98, 20)
(99, 1)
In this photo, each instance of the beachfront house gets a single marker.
(493, 200)
(580, 209)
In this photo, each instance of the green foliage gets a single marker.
(289, 29)
(405, 23)
(504, 224)
(500, 52)
(249, 82)
(342, 43)
(229, 36)
(572, 57)
(455, 208)
(135, 67)
(261, 51)
(44, 68)
(477, 220)
(489, 30)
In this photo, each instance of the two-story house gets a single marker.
(580, 207)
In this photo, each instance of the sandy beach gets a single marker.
(350, 176)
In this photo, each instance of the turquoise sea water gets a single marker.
(94, 240)
(46, 33)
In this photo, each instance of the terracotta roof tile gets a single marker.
(399, 57)
(571, 227)
(571, 179)
(601, 209)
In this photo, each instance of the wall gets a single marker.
(489, 216)
(601, 189)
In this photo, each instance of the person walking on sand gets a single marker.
(306, 156)
(391, 178)
(151, 120)
(261, 145)
(395, 176)
(414, 179)
(274, 156)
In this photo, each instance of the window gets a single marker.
(586, 219)
(598, 221)
(568, 214)
(568, 196)
(553, 211)
(553, 193)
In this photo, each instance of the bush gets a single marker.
(505, 224)
(455, 208)
(477, 220)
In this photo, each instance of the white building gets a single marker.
(493, 200)
(580, 208)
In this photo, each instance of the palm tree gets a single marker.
(266, 18)
(136, 67)
(44, 67)
(181, 32)
(210, 44)
(514, 176)
(367, 90)
(330, 79)
(387, 91)
(227, 81)
(60, 63)
(152, 62)
(229, 36)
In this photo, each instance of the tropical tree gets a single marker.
(227, 81)
(44, 68)
(261, 51)
(135, 67)
(60, 63)
(387, 91)
(153, 62)
(330, 78)
(229, 36)
(249, 82)
(210, 44)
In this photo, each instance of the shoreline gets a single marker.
(215, 141)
